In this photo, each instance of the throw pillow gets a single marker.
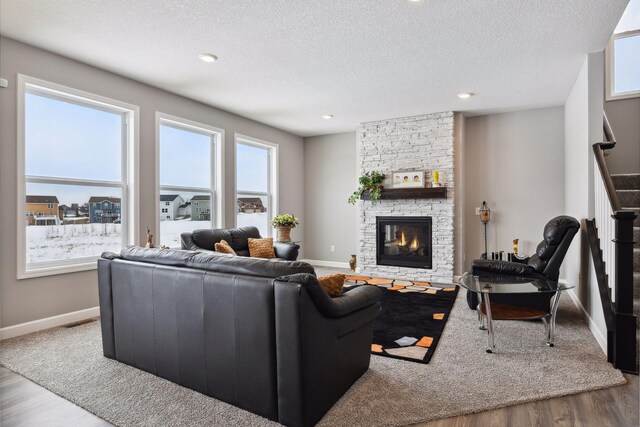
(332, 284)
(261, 248)
(224, 247)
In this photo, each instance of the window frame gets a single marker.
(272, 176)
(611, 95)
(128, 181)
(217, 168)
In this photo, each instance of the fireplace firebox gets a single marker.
(404, 241)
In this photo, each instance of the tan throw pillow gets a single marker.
(332, 284)
(224, 247)
(261, 248)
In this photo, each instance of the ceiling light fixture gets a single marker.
(465, 95)
(208, 57)
(327, 116)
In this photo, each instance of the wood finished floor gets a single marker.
(25, 404)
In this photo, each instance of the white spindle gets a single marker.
(606, 229)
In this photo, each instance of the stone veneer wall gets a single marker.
(424, 142)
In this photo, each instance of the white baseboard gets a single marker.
(49, 322)
(593, 327)
(320, 263)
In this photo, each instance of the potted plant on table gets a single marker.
(371, 182)
(283, 224)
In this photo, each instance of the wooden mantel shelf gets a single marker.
(410, 193)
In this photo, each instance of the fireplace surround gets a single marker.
(404, 241)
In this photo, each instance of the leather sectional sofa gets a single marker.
(260, 334)
(205, 240)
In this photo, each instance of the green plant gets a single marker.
(285, 220)
(371, 182)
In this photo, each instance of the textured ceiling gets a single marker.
(285, 63)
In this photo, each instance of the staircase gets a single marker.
(628, 190)
(613, 234)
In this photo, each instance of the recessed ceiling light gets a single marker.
(465, 95)
(208, 57)
(327, 116)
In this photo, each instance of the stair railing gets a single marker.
(612, 229)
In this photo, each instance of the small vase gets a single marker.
(353, 263)
(284, 233)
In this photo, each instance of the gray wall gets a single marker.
(330, 178)
(31, 299)
(624, 116)
(583, 127)
(514, 161)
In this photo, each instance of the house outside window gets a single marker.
(256, 183)
(623, 56)
(54, 121)
(190, 173)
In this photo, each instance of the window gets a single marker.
(623, 57)
(190, 177)
(256, 183)
(74, 149)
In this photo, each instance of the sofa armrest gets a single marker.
(287, 251)
(501, 267)
(343, 305)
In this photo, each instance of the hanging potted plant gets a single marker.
(283, 224)
(371, 182)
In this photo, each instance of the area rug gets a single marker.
(412, 318)
(460, 379)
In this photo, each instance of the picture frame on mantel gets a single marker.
(408, 179)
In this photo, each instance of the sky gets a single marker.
(627, 50)
(67, 140)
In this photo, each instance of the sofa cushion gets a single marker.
(224, 248)
(261, 248)
(332, 284)
(262, 267)
(207, 238)
(239, 237)
(174, 257)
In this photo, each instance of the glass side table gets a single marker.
(485, 286)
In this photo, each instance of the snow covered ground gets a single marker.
(170, 230)
(61, 242)
(259, 220)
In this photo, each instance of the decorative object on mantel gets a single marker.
(515, 246)
(370, 182)
(409, 193)
(436, 179)
(408, 179)
(283, 224)
(485, 217)
(353, 262)
(149, 239)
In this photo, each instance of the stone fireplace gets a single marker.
(404, 241)
(424, 142)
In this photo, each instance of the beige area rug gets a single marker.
(460, 379)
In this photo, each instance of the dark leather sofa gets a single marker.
(260, 334)
(544, 264)
(205, 240)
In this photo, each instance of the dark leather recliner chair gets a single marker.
(545, 263)
(238, 238)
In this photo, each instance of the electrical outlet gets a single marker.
(477, 211)
(333, 248)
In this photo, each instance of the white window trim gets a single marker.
(217, 164)
(272, 185)
(130, 173)
(611, 95)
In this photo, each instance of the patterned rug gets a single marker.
(412, 319)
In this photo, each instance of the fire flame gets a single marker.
(414, 244)
(403, 240)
